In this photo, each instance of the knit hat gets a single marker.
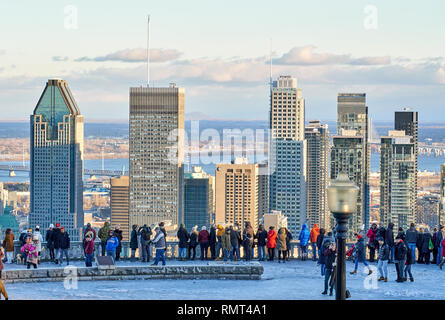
(57, 225)
(359, 236)
(37, 228)
(203, 228)
(51, 225)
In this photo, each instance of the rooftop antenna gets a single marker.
(148, 51)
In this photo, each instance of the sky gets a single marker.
(219, 51)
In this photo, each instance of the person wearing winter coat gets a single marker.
(383, 258)
(160, 245)
(304, 238)
(329, 260)
(373, 245)
(119, 235)
(50, 238)
(271, 243)
(400, 252)
(2, 287)
(183, 237)
(435, 247)
(389, 239)
(235, 239)
(442, 254)
(425, 246)
(88, 246)
(288, 244)
(226, 244)
(315, 231)
(248, 237)
(438, 243)
(38, 244)
(8, 245)
(361, 254)
(319, 242)
(31, 253)
(89, 228)
(219, 247)
(63, 245)
(261, 237)
(203, 239)
(281, 244)
(322, 256)
(133, 242)
(112, 244)
(212, 242)
(410, 259)
(193, 242)
(411, 239)
(2, 256)
(103, 236)
(145, 233)
(381, 232)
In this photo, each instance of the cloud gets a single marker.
(136, 55)
(59, 58)
(2, 52)
(307, 56)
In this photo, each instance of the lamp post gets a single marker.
(342, 202)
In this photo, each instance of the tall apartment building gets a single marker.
(407, 120)
(397, 179)
(318, 151)
(352, 114)
(237, 193)
(287, 152)
(156, 155)
(3, 198)
(56, 168)
(442, 195)
(120, 188)
(198, 198)
(348, 154)
(263, 189)
(428, 210)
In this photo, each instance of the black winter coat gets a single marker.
(56, 235)
(212, 236)
(49, 239)
(400, 251)
(183, 237)
(320, 240)
(384, 252)
(261, 235)
(62, 241)
(235, 238)
(381, 234)
(439, 238)
(193, 239)
(426, 237)
(409, 256)
(411, 235)
(330, 258)
(389, 235)
(361, 250)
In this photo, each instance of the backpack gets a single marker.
(430, 245)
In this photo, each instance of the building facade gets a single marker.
(56, 166)
(156, 155)
(263, 189)
(236, 187)
(428, 210)
(397, 179)
(352, 114)
(318, 152)
(119, 203)
(287, 152)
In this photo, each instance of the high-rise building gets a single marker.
(3, 198)
(263, 189)
(318, 149)
(156, 155)
(428, 210)
(287, 152)
(407, 120)
(56, 168)
(352, 114)
(120, 187)
(348, 154)
(442, 195)
(198, 198)
(397, 179)
(237, 193)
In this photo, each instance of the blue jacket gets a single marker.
(304, 235)
(112, 243)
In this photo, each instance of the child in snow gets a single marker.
(30, 252)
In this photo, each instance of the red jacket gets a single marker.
(89, 247)
(443, 248)
(203, 236)
(272, 239)
(371, 234)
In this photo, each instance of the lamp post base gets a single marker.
(342, 232)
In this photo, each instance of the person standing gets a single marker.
(49, 237)
(288, 244)
(315, 231)
(193, 242)
(329, 258)
(145, 232)
(381, 232)
(261, 237)
(427, 246)
(361, 254)
(281, 244)
(319, 242)
(89, 229)
(203, 239)
(38, 244)
(442, 254)
(400, 250)
(160, 245)
(212, 242)
(271, 243)
(2, 287)
(411, 239)
(419, 245)
(219, 245)
(410, 259)
(183, 238)
(88, 246)
(383, 258)
(436, 248)
(112, 244)
(103, 236)
(119, 235)
(372, 242)
(389, 239)
(304, 239)
(248, 236)
(226, 244)
(8, 245)
(64, 246)
(31, 253)
(235, 241)
(133, 242)
(439, 239)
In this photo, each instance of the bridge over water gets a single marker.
(91, 172)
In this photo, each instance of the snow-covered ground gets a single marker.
(292, 280)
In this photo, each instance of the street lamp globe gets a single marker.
(342, 196)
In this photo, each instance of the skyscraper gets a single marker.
(287, 152)
(263, 190)
(156, 155)
(237, 193)
(397, 179)
(198, 198)
(56, 169)
(352, 114)
(119, 205)
(348, 155)
(318, 149)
